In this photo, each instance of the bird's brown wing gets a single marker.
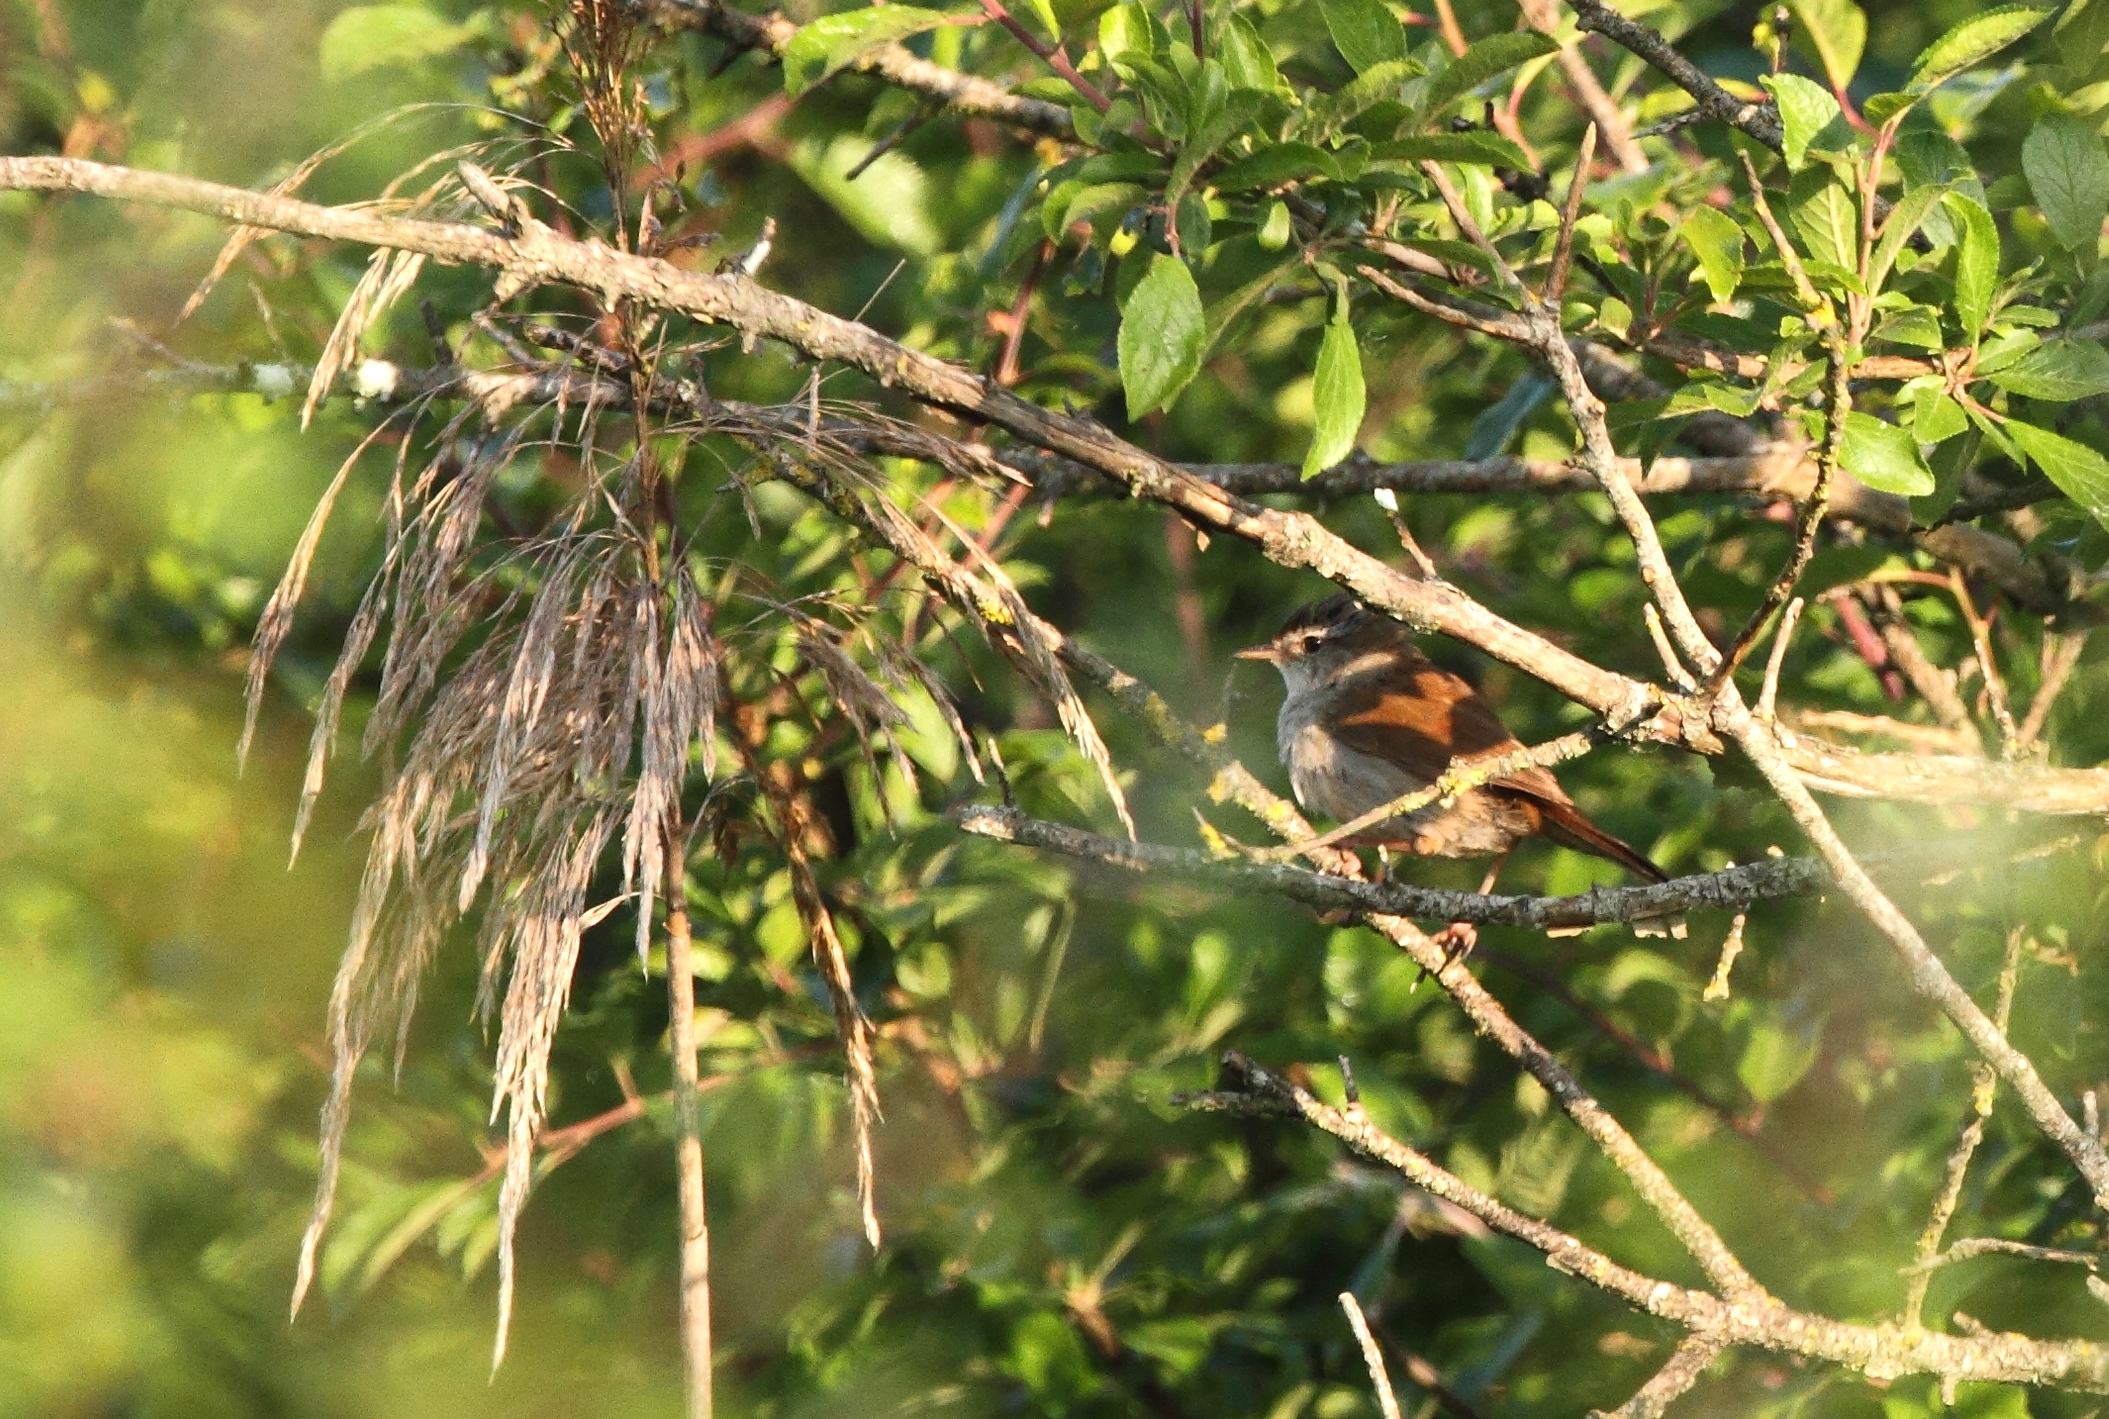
(1440, 716)
(1423, 727)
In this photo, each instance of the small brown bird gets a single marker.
(1370, 719)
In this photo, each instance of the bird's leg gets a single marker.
(1459, 937)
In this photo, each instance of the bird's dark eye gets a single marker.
(1311, 643)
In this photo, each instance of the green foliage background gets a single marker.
(1060, 1239)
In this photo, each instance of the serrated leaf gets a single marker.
(371, 36)
(1127, 31)
(1915, 326)
(1837, 31)
(832, 43)
(1274, 165)
(1326, 114)
(2080, 473)
(1826, 216)
(1717, 242)
(1245, 57)
(1971, 42)
(1884, 457)
(1496, 54)
(2057, 371)
(1162, 332)
(1237, 111)
(1905, 217)
(1806, 108)
(1365, 32)
(1936, 417)
(2069, 174)
(1337, 399)
(1487, 149)
(1976, 262)
(1881, 108)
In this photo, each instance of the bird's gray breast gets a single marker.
(1331, 778)
(1344, 783)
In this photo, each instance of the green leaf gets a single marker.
(2080, 473)
(1487, 149)
(1272, 166)
(1775, 1058)
(2069, 174)
(1337, 399)
(1717, 241)
(1971, 42)
(1826, 216)
(371, 36)
(1906, 215)
(1127, 32)
(1326, 114)
(1162, 330)
(1274, 232)
(832, 43)
(1237, 111)
(1806, 108)
(1916, 325)
(1366, 32)
(1245, 57)
(1936, 417)
(1837, 31)
(1976, 262)
(2058, 371)
(1494, 55)
(1090, 201)
(1884, 457)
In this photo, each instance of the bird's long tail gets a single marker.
(1565, 825)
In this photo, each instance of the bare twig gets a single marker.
(1372, 1357)
(1984, 1084)
(1768, 1324)
(1768, 693)
(962, 93)
(1694, 1353)
(1760, 121)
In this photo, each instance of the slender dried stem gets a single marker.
(688, 1140)
(1984, 1086)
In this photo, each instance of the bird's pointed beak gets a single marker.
(1265, 652)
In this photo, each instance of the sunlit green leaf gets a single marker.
(1806, 108)
(1366, 32)
(1275, 230)
(1245, 57)
(1976, 262)
(1127, 32)
(1717, 241)
(1884, 456)
(2069, 174)
(1837, 31)
(1161, 334)
(1495, 55)
(2057, 371)
(1826, 217)
(832, 43)
(1337, 399)
(1971, 42)
(2080, 473)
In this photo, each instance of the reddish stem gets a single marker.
(1056, 59)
